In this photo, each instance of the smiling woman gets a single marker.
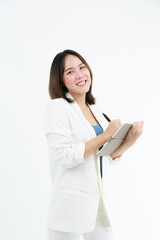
(75, 129)
(66, 67)
(76, 76)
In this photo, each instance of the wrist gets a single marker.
(105, 136)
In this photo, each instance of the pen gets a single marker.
(108, 119)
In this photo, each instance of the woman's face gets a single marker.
(76, 76)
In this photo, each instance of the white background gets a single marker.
(121, 42)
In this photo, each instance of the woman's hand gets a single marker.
(112, 128)
(134, 133)
(132, 136)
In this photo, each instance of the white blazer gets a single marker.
(76, 183)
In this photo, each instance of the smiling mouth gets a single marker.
(81, 83)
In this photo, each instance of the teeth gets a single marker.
(81, 83)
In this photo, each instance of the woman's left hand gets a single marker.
(132, 136)
(134, 133)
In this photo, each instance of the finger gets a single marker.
(140, 122)
(140, 125)
(139, 128)
(133, 125)
(118, 120)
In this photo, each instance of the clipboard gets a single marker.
(115, 141)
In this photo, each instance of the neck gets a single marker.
(81, 100)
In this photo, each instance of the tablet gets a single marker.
(115, 141)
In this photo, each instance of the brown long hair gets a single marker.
(56, 86)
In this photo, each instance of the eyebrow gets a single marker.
(72, 67)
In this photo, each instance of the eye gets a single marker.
(82, 67)
(69, 72)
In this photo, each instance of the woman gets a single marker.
(75, 129)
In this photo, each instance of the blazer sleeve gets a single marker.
(57, 129)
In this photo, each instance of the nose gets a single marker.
(79, 74)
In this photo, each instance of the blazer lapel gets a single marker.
(100, 118)
(78, 109)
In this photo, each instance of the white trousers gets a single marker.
(100, 232)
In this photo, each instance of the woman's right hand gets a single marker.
(112, 128)
(94, 144)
